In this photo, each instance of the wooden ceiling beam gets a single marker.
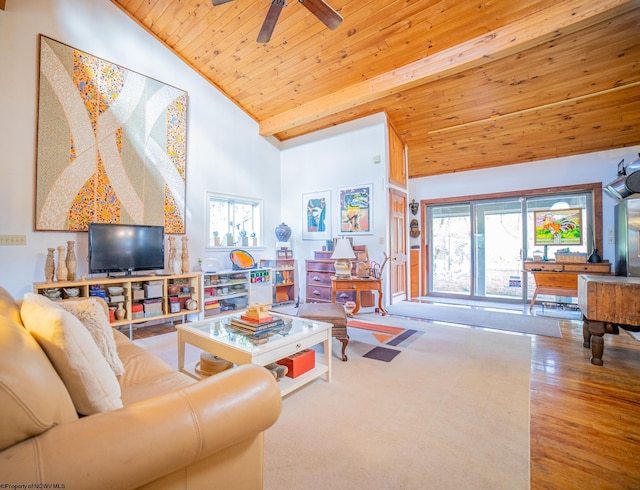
(561, 19)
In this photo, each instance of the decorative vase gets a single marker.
(172, 254)
(120, 312)
(185, 255)
(71, 261)
(283, 232)
(594, 257)
(61, 273)
(49, 266)
(177, 262)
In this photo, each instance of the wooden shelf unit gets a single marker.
(224, 291)
(284, 279)
(138, 291)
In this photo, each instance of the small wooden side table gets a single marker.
(357, 284)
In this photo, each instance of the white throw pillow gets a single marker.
(84, 371)
(92, 315)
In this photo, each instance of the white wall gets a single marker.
(330, 161)
(581, 169)
(224, 150)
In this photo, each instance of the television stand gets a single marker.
(144, 298)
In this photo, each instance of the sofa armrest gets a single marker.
(142, 442)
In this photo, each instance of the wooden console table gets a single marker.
(561, 278)
(608, 303)
(357, 284)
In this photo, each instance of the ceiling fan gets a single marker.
(321, 9)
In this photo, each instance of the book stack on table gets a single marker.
(251, 325)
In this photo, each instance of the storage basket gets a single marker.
(572, 257)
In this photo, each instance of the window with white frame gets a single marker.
(233, 221)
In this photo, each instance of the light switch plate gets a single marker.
(13, 240)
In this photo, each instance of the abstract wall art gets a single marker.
(111, 144)
(355, 210)
(317, 215)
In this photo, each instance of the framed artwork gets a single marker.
(111, 144)
(355, 210)
(317, 215)
(558, 227)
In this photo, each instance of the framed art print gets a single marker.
(111, 145)
(317, 215)
(355, 210)
(558, 227)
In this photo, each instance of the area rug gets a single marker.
(450, 411)
(494, 318)
(374, 333)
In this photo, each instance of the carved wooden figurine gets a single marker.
(185, 255)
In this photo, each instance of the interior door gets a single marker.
(398, 247)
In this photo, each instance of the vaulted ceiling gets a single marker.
(467, 84)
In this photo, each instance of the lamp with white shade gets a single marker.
(343, 255)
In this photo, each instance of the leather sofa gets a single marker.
(172, 432)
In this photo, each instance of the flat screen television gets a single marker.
(125, 248)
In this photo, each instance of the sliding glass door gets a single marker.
(450, 249)
(476, 248)
(498, 249)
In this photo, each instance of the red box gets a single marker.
(299, 363)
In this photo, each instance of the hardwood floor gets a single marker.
(585, 419)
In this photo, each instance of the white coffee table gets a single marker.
(216, 336)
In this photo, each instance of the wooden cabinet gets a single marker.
(318, 276)
(284, 280)
(143, 298)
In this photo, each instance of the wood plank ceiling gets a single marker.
(467, 84)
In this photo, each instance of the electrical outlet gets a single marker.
(13, 239)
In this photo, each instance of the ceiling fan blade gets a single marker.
(323, 11)
(270, 21)
(219, 2)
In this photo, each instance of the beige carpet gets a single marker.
(451, 411)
